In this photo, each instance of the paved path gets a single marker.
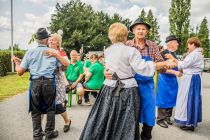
(15, 122)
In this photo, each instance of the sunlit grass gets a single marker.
(13, 84)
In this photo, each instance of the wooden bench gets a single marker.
(89, 90)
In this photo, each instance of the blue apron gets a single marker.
(167, 90)
(43, 106)
(147, 97)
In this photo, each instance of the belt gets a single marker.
(43, 78)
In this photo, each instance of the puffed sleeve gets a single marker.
(139, 65)
(187, 62)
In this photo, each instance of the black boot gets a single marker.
(162, 123)
(146, 133)
(188, 128)
(168, 120)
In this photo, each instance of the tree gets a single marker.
(179, 21)
(152, 21)
(203, 35)
(15, 47)
(82, 26)
(153, 32)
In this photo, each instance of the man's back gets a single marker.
(39, 64)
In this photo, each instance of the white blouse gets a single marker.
(193, 63)
(126, 62)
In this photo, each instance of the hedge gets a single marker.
(5, 60)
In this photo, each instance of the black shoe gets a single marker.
(52, 135)
(162, 123)
(168, 120)
(190, 128)
(67, 127)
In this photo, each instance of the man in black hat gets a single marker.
(42, 90)
(167, 86)
(150, 52)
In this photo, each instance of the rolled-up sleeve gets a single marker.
(25, 61)
(139, 65)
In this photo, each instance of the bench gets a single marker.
(71, 92)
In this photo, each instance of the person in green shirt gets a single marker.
(94, 78)
(74, 75)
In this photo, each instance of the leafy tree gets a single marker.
(179, 21)
(203, 35)
(153, 32)
(15, 47)
(82, 26)
(152, 21)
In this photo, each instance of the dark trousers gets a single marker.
(146, 133)
(164, 113)
(42, 100)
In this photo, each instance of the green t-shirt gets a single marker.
(73, 71)
(97, 78)
(87, 63)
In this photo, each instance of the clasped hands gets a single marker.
(171, 62)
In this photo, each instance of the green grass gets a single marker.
(13, 84)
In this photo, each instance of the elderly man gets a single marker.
(150, 52)
(74, 74)
(167, 86)
(42, 88)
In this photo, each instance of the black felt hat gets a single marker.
(42, 34)
(139, 21)
(171, 37)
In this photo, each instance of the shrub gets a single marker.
(5, 60)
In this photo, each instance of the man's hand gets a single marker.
(171, 63)
(16, 60)
(107, 74)
(169, 56)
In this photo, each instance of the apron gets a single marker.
(167, 90)
(147, 96)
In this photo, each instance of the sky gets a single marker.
(29, 15)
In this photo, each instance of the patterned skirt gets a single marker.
(113, 117)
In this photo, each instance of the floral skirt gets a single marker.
(113, 117)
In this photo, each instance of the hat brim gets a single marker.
(172, 39)
(131, 27)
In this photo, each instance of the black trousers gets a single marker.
(146, 133)
(42, 100)
(164, 113)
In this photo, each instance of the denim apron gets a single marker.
(147, 96)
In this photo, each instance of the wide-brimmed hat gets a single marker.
(139, 21)
(42, 34)
(170, 38)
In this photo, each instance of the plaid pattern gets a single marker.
(153, 50)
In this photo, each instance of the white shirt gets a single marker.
(126, 62)
(193, 63)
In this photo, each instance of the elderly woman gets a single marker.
(115, 114)
(55, 43)
(189, 105)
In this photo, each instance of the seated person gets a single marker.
(94, 78)
(87, 64)
(74, 74)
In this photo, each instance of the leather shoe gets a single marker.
(162, 123)
(52, 135)
(168, 120)
(67, 127)
(190, 128)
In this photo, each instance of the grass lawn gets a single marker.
(13, 84)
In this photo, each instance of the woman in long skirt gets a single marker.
(115, 114)
(189, 103)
